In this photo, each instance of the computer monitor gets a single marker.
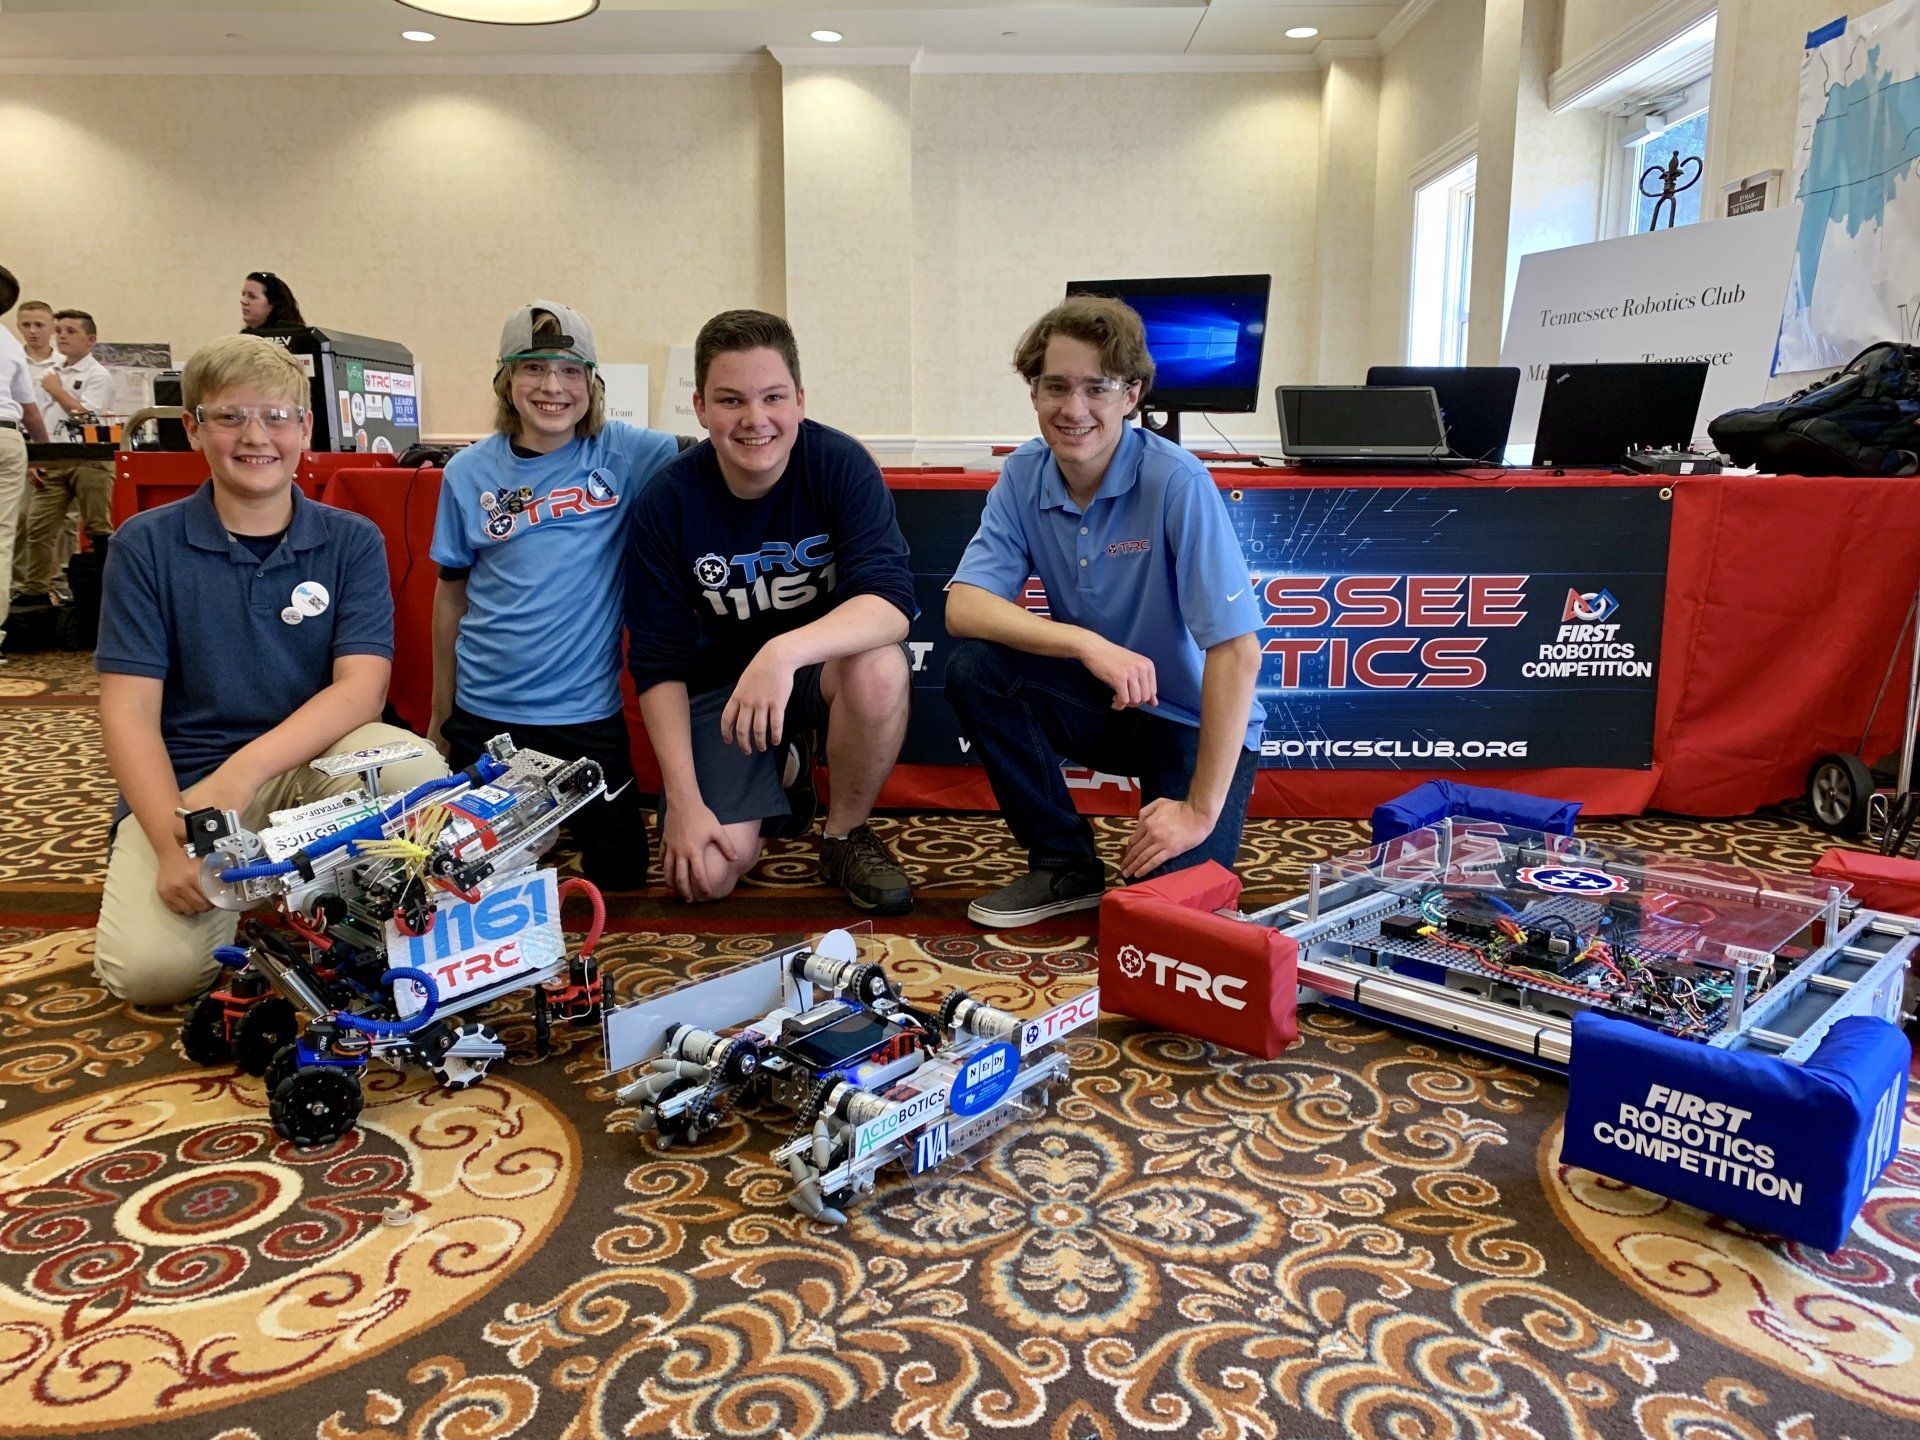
(1592, 415)
(1476, 403)
(1357, 423)
(1205, 334)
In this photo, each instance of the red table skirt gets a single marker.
(1784, 598)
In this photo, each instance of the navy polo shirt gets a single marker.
(1151, 564)
(186, 604)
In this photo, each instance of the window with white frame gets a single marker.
(1661, 136)
(1442, 268)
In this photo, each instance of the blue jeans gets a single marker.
(1024, 714)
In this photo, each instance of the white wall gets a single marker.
(416, 209)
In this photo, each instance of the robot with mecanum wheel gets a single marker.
(406, 913)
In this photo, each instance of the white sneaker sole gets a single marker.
(1033, 915)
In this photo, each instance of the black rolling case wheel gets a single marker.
(1838, 788)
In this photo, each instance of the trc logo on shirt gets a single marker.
(777, 576)
(1130, 547)
(710, 571)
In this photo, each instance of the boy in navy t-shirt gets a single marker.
(244, 632)
(531, 544)
(767, 599)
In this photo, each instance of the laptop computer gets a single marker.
(1476, 403)
(1594, 414)
(1362, 425)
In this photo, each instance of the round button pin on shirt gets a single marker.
(310, 597)
(291, 616)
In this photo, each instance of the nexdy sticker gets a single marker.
(984, 1079)
(1571, 880)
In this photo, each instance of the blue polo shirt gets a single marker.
(1151, 564)
(186, 604)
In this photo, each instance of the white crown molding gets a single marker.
(703, 64)
(929, 64)
(1657, 51)
(1328, 51)
(841, 57)
(1436, 163)
(1395, 30)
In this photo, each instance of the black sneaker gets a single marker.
(802, 799)
(862, 865)
(1039, 895)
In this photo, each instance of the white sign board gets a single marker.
(626, 392)
(676, 405)
(1699, 292)
(511, 934)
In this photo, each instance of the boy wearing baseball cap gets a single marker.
(530, 540)
(244, 632)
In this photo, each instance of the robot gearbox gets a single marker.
(870, 1079)
(406, 912)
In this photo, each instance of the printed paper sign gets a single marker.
(511, 934)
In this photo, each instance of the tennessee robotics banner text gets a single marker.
(1413, 628)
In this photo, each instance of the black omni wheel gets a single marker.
(1838, 788)
(203, 1034)
(457, 1072)
(316, 1105)
(267, 1025)
(285, 1061)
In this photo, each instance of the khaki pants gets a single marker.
(146, 954)
(13, 488)
(88, 482)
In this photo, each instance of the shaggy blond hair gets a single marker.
(239, 361)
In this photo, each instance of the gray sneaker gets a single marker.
(1039, 895)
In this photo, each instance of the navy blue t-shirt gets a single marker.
(713, 577)
(187, 604)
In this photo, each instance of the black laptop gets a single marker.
(1364, 426)
(1592, 415)
(1476, 403)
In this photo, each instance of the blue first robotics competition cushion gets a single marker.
(1790, 1149)
(1439, 800)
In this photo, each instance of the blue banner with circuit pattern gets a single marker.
(1407, 627)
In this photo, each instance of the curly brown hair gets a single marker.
(1110, 326)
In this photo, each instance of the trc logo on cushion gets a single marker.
(1183, 977)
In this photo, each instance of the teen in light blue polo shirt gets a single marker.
(1147, 661)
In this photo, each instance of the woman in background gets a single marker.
(266, 303)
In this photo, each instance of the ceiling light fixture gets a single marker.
(1302, 32)
(828, 37)
(506, 12)
(419, 37)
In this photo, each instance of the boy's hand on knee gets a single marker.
(684, 839)
(1167, 829)
(178, 884)
(757, 710)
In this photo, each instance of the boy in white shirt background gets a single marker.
(77, 386)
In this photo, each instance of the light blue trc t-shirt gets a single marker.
(545, 541)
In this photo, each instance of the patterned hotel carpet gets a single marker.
(1369, 1236)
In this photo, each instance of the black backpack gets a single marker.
(1863, 419)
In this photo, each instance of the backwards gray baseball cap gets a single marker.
(576, 335)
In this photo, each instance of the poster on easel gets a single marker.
(1856, 180)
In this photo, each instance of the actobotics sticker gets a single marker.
(358, 402)
(1571, 880)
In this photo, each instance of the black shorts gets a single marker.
(741, 787)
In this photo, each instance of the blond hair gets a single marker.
(506, 419)
(241, 360)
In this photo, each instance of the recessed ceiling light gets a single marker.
(828, 37)
(419, 37)
(1302, 32)
(506, 12)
